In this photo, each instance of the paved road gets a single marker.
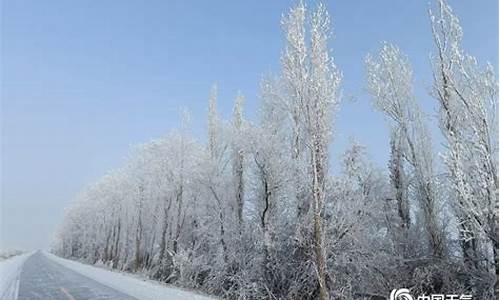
(44, 279)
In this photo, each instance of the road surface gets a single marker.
(45, 279)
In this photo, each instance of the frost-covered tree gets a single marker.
(468, 97)
(238, 156)
(357, 243)
(390, 83)
(312, 81)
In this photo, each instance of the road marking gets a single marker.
(67, 294)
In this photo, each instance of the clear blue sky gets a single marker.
(84, 80)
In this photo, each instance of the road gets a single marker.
(45, 279)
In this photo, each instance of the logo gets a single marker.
(404, 294)
(401, 294)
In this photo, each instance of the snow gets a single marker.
(8, 253)
(10, 270)
(139, 288)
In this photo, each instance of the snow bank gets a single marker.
(8, 253)
(136, 287)
(10, 270)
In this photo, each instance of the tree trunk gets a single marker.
(106, 247)
(221, 225)
(239, 188)
(138, 246)
(318, 197)
(116, 256)
(163, 240)
(178, 223)
(265, 228)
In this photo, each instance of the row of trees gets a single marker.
(257, 214)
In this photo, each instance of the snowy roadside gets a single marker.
(8, 253)
(10, 270)
(134, 286)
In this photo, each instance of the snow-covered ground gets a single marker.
(10, 269)
(136, 287)
(8, 253)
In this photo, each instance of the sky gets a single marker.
(82, 81)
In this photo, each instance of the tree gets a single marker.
(313, 80)
(467, 96)
(238, 157)
(390, 83)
